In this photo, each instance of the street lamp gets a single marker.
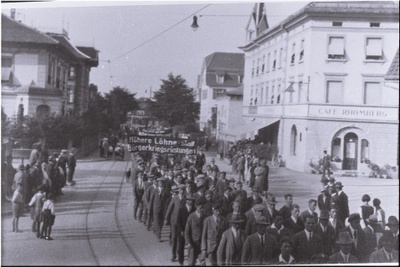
(194, 25)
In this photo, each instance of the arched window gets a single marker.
(293, 138)
(42, 111)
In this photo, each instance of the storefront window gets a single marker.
(364, 151)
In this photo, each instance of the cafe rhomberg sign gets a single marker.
(162, 145)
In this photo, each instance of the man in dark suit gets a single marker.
(326, 163)
(231, 244)
(312, 205)
(213, 228)
(161, 196)
(286, 210)
(237, 213)
(260, 247)
(334, 222)
(220, 185)
(193, 232)
(324, 200)
(149, 196)
(277, 229)
(182, 217)
(240, 193)
(387, 252)
(326, 232)
(225, 201)
(306, 243)
(255, 195)
(358, 249)
(342, 202)
(271, 212)
(294, 223)
(345, 242)
(138, 192)
(172, 217)
(393, 225)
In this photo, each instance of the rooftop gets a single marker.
(393, 72)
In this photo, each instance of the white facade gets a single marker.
(335, 65)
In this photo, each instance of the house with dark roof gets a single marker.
(317, 81)
(220, 73)
(392, 76)
(43, 73)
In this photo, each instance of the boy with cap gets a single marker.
(230, 247)
(345, 242)
(213, 228)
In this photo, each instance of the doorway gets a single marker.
(350, 154)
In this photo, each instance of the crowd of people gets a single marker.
(38, 184)
(209, 212)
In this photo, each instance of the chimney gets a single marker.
(13, 13)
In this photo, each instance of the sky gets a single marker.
(140, 43)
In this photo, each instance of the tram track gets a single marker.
(132, 251)
(88, 212)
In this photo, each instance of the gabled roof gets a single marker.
(393, 72)
(221, 61)
(229, 65)
(14, 31)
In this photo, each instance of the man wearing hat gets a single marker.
(214, 167)
(71, 165)
(209, 202)
(193, 232)
(230, 247)
(149, 196)
(181, 219)
(260, 247)
(201, 189)
(241, 194)
(307, 243)
(271, 212)
(324, 200)
(213, 228)
(341, 201)
(326, 163)
(220, 184)
(225, 201)
(345, 243)
(138, 192)
(393, 225)
(356, 232)
(62, 162)
(172, 216)
(326, 232)
(277, 229)
(160, 204)
(387, 252)
(253, 215)
(237, 212)
(255, 195)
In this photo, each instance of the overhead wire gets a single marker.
(154, 37)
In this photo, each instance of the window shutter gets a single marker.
(336, 46)
(374, 47)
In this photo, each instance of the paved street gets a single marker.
(94, 222)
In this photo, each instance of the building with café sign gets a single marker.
(317, 81)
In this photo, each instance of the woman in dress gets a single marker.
(366, 210)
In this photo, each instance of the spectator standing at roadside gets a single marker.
(71, 165)
(379, 212)
(241, 166)
(17, 207)
(326, 163)
(341, 200)
(37, 205)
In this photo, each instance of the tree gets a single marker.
(95, 117)
(174, 102)
(119, 102)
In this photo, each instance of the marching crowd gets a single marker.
(214, 217)
(38, 184)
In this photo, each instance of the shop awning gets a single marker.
(250, 129)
